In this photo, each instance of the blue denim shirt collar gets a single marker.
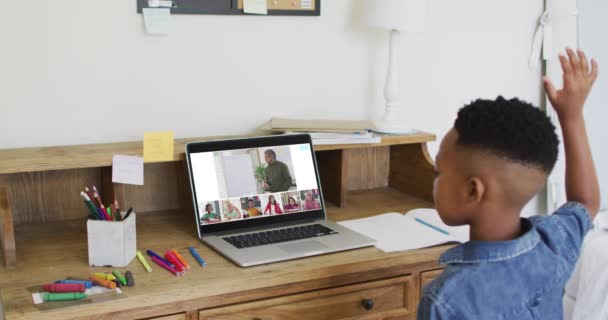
(482, 251)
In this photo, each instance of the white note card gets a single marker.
(156, 20)
(255, 6)
(128, 170)
(306, 4)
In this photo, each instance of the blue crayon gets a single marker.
(197, 257)
(87, 283)
(153, 254)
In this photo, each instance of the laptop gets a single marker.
(259, 200)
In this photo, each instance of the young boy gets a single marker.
(494, 160)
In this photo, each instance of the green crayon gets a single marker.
(66, 296)
(120, 277)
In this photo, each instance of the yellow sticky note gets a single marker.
(158, 146)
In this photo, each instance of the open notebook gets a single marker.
(418, 228)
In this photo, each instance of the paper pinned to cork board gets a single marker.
(255, 6)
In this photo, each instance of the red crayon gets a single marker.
(106, 214)
(64, 287)
(165, 266)
(173, 259)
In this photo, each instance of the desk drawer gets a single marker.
(427, 277)
(394, 298)
(179, 316)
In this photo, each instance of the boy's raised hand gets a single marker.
(578, 80)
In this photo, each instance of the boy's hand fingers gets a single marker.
(594, 70)
(565, 65)
(549, 88)
(584, 63)
(574, 61)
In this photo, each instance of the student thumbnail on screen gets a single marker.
(310, 199)
(230, 210)
(252, 207)
(209, 212)
(291, 202)
(272, 204)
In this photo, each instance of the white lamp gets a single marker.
(395, 15)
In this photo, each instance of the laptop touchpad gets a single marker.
(311, 246)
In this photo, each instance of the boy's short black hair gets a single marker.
(513, 129)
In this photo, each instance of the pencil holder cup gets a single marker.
(112, 243)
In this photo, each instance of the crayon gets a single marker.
(109, 210)
(120, 277)
(66, 296)
(64, 287)
(90, 205)
(130, 279)
(173, 259)
(152, 254)
(87, 283)
(165, 266)
(117, 211)
(143, 261)
(197, 257)
(103, 282)
(181, 259)
(106, 276)
(127, 214)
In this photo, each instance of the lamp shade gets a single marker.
(406, 15)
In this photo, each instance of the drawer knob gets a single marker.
(368, 304)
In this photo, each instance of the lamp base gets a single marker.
(393, 127)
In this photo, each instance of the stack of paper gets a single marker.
(419, 228)
(325, 132)
(321, 138)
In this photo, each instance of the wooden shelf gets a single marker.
(52, 251)
(100, 155)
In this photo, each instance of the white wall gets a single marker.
(563, 21)
(79, 72)
(592, 29)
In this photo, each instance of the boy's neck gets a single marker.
(496, 226)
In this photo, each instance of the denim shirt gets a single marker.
(519, 279)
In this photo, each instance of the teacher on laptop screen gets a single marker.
(278, 177)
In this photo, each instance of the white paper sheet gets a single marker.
(156, 20)
(460, 234)
(397, 232)
(128, 169)
(255, 6)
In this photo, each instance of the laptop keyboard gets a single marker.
(280, 235)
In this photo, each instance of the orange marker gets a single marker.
(103, 282)
(181, 259)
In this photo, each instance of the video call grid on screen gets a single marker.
(253, 183)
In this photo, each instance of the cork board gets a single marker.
(235, 7)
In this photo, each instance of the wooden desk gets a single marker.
(333, 286)
(334, 283)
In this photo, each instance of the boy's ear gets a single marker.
(476, 189)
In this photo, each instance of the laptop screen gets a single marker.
(254, 183)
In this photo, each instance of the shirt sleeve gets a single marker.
(572, 221)
(429, 309)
